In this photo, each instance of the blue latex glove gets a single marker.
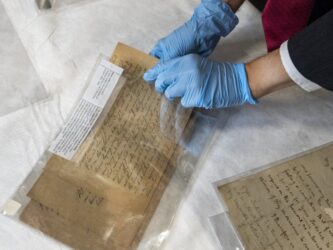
(200, 35)
(200, 82)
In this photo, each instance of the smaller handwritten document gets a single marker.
(288, 206)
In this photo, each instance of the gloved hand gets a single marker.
(200, 82)
(200, 35)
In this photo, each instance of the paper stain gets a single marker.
(328, 211)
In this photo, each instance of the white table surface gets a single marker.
(64, 46)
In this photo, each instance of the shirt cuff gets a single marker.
(292, 71)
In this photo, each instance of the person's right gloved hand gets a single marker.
(200, 82)
(200, 35)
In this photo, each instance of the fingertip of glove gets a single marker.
(159, 89)
(168, 96)
(156, 52)
(185, 104)
(149, 76)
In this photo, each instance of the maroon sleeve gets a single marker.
(283, 18)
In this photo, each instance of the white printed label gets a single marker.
(87, 111)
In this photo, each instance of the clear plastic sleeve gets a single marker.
(226, 232)
(20, 84)
(122, 187)
(285, 205)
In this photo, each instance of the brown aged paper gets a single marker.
(106, 199)
(288, 206)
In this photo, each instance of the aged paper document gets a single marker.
(288, 206)
(105, 199)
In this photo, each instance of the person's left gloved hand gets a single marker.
(200, 82)
(200, 35)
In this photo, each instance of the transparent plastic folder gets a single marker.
(121, 187)
(19, 83)
(285, 206)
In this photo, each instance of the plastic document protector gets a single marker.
(20, 85)
(113, 177)
(285, 206)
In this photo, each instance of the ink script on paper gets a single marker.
(288, 206)
(105, 199)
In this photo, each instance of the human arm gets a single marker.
(234, 4)
(266, 74)
(200, 82)
(306, 59)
